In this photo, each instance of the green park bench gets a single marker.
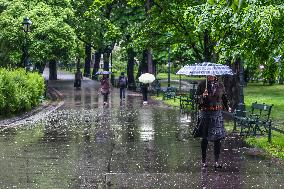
(170, 93)
(188, 101)
(257, 120)
(156, 87)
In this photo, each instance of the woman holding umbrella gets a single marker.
(145, 79)
(212, 99)
(105, 88)
(144, 90)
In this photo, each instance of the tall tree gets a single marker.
(51, 38)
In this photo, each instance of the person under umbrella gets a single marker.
(145, 79)
(105, 88)
(144, 90)
(212, 99)
(78, 78)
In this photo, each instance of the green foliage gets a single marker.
(51, 37)
(251, 29)
(19, 91)
(269, 73)
(119, 61)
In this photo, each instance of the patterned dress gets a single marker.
(210, 122)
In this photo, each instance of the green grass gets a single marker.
(275, 148)
(169, 102)
(270, 95)
(176, 77)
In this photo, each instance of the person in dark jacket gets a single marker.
(212, 99)
(78, 78)
(144, 90)
(122, 81)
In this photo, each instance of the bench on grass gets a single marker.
(156, 87)
(257, 120)
(188, 101)
(170, 93)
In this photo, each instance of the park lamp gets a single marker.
(26, 24)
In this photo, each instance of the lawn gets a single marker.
(177, 77)
(270, 95)
(266, 94)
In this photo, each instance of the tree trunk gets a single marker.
(148, 6)
(150, 61)
(39, 67)
(130, 69)
(78, 63)
(106, 61)
(143, 66)
(207, 57)
(96, 64)
(52, 70)
(233, 84)
(88, 53)
(150, 68)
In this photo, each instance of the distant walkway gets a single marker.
(62, 75)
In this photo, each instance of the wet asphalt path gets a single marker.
(84, 144)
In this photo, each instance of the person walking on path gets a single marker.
(144, 90)
(210, 125)
(122, 81)
(78, 78)
(105, 88)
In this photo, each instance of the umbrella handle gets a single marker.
(206, 84)
(205, 93)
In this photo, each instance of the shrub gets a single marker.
(19, 91)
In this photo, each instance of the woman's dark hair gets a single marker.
(122, 73)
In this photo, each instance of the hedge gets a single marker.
(19, 91)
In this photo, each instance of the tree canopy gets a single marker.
(196, 31)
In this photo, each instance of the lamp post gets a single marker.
(169, 68)
(278, 60)
(110, 66)
(241, 107)
(26, 26)
(242, 82)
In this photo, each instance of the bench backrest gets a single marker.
(192, 94)
(171, 89)
(240, 113)
(261, 110)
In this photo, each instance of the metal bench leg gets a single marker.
(235, 125)
(269, 133)
(256, 127)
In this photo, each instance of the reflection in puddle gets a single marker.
(146, 127)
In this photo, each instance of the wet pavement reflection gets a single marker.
(84, 144)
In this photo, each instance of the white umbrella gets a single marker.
(205, 68)
(146, 78)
